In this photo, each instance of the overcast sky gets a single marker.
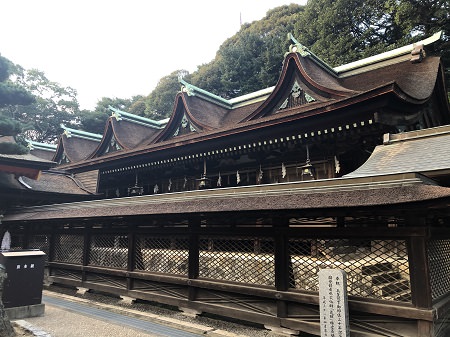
(119, 48)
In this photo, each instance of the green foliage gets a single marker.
(11, 93)
(53, 105)
(252, 58)
(346, 30)
(422, 18)
(138, 107)
(159, 103)
(4, 68)
(12, 148)
(94, 121)
(9, 127)
(343, 31)
(338, 31)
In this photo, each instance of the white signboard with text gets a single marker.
(334, 320)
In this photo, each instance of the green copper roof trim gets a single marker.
(192, 90)
(32, 145)
(251, 97)
(388, 55)
(297, 47)
(232, 103)
(81, 134)
(122, 115)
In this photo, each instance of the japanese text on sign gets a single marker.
(333, 303)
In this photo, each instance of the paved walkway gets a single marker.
(66, 316)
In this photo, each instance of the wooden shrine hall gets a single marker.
(232, 206)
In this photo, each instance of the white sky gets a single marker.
(119, 48)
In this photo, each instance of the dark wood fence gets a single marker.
(251, 269)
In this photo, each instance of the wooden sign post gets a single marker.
(334, 320)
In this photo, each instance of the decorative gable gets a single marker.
(181, 122)
(63, 159)
(113, 145)
(185, 126)
(297, 96)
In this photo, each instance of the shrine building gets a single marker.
(232, 206)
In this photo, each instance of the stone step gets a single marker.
(385, 277)
(403, 296)
(393, 288)
(376, 268)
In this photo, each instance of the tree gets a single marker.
(345, 30)
(159, 103)
(53, 105)
(10, 94)
(94, 121)
(422, 18)
(251, 59)
(138, 107)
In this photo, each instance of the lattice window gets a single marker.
(375, 268)
(41, 242)
(163, 255)
(245, 260)
(109, 251)
(438, 255)
(69, 248)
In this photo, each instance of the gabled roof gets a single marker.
(197, 110)
(42, 150)
(232, 103)
(126, 116)
(50, 187)
(410, 74)
(392, 56)
(124, 131)
(25, 165)
(22, 164)
(75, 145)
(395, 87)
(424, 151)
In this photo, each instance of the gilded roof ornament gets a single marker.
(69, 132)
(116, 115)
(188, 89)
(297, 47)
(303, 51)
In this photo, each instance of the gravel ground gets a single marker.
(233, 326)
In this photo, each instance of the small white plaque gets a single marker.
(334, 320)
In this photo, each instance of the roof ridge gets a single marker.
(297, 47)
(390, 138)
(232, 103)
(32, 145)
(387, 55)
(193, 90)
(69, 132)
(119, 115)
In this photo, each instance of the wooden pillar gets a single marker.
(87, 235)
(132, 254)
(283, 268)
(51, 245)
(419, 270)
(194, 254)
